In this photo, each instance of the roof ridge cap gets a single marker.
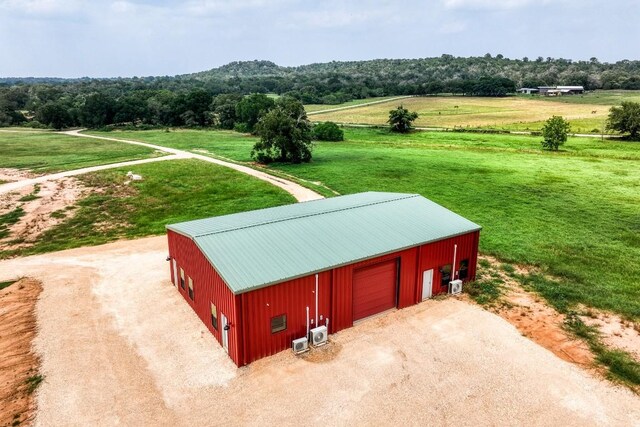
(404, 196)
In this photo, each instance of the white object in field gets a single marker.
(455, 287)
(319, 336)
(427, 284)
(300, 345)
(133, 177)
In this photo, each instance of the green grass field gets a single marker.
(47, 152)
(574, 213)
(172, 191)
(586, 113)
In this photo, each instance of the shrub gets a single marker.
(327, 131)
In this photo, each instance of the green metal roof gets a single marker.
(254, 249)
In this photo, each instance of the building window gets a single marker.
(463, 273)
(190, 288)
(278, 323)
(181, 278)
(445, 275)
(214, 316)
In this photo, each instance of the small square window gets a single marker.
(190, 288)
(278, 323)
(214, 316)
(181, 278)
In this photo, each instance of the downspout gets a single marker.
(317, 299)
(453, 267)
(307, 322)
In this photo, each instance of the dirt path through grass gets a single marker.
(16, 185)
(382, 101)
(302, 194)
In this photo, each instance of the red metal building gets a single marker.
(261, 279)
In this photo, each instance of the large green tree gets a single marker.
(401, 119)
(555, 132)
(625, 119)
(285, 134)
(251, 107)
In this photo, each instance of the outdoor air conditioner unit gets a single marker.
(319, 336)
(455, 287)
(300, 345)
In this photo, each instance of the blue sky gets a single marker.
(104, 38)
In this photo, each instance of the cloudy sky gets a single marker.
(105, 38)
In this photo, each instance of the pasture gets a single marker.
(573, 213)
(48, 152)
(172, 191)
(315, 108)
(586, 113)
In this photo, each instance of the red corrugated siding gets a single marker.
(437, 254)
(342, 287)
(251, 313)
(290, 298)
(208, 287)
(375, 289)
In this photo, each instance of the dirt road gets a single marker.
(119, 346)
(302, 194)
(16, 185)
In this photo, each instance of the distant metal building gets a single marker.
(261, 279)
(528, 90)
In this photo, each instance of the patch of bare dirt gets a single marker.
(323, 354)
(615, 332)
(12, 175)
(18, 362)
(535, 319)
(45, 205)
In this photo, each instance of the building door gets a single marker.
(225, 332)
(374, 289)
(427, 284)
(175, 272)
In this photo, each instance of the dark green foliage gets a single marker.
(224, 110)
(401, 119)
(250, 108)
(55, 115)
(555, 132)
(328, 131)
(285, 134)
(625, 119)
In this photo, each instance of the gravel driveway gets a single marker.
(119, 346)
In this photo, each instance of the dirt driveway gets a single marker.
(119, 346)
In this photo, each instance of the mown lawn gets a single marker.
(47, 152)
(575, 213)
(172, 191)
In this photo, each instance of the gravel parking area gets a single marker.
(118, 345)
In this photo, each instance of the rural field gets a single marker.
(572, 213)
(47, 152)
(586, 113)
(100, 206)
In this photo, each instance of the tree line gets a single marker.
(209, 98)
